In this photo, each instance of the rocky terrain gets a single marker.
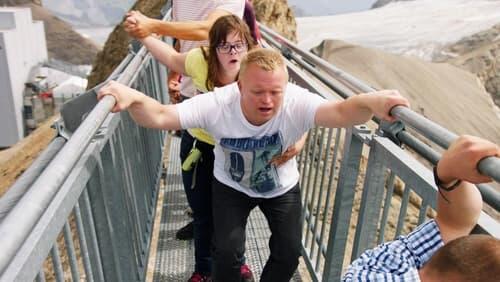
(480, 54)
(277, 15)
(381, 3)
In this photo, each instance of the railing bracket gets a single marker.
(286, 52)
(363, 132)
(391, 130)
(62, 131)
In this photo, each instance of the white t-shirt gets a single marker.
(198, 10)
(242, 150)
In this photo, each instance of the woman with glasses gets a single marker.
(209, 67)
(213, 66)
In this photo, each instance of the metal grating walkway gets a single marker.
(175, 258)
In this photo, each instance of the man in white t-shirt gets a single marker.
(252, 121)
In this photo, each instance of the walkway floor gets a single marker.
(175, 258)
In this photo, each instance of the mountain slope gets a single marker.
(63, 43)
(479, 54)
(442, 92)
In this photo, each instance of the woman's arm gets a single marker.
(165, 53)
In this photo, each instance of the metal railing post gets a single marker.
(344, 197)
(371, 202)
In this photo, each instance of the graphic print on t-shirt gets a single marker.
(247, 161)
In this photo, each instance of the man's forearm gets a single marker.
(355, 110)
(459, 207)
(149, 113)
(459, 212)
(188, 30)
(346, 113)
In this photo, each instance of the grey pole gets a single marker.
(443, 137)
(17, 190)
(19, 222)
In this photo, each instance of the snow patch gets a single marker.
(417, 28)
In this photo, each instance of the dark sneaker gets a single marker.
(246, 273)
(197, 277)
(185, 233)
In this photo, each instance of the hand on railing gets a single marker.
(124, 95)
(138, 25)
(461, 159)
(382, 102)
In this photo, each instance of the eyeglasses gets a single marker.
(226, 48)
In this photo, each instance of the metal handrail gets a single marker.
(441, 136)
(22, 184)
(35, 201)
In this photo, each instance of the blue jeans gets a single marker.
(199, 196)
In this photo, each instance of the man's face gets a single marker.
(261, 93)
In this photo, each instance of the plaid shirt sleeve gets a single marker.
(398, 260)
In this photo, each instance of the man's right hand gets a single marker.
(138, 25)
(461, 159)
(381, 103)
(124, 95)
(174, 87)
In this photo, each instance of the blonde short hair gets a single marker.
(265, 58)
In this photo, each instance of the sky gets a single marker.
(329, 7)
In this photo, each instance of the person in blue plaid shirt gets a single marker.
(442, 249)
